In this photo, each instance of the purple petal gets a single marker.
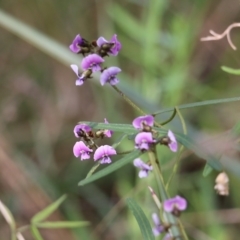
(139, 122)
(80, 148)
(79, 82)
(104, 151)
(168, 205)
(101, 41)
(117, 45)
(143, 173)
(181, 203)
(109, 75)
(138, 163)
(83, 127)
(106, 160)
(155, 219)
(143, 137)
(74, 68)
(107, 133)
(92, 61)
(173, 145)
(75, 46)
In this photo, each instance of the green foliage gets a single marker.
(141, 218)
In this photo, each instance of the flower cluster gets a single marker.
(145, 139)
(173, 205)
(95, 51)
(85, 147)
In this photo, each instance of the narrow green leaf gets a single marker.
(199, 104)
(93, 169)
(124, 128)
(231, 70)
(62, 224)
(207, 170)
(42, 215)
(141, 218)
(119, 140)
(189, 143)
(111, 168)
(35, 233)
(9, 219)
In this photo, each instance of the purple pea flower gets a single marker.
(158, 228)
(173, 145)
(80, 129)
(76, 44)
(175, 205)
(81, 77)
(143, 140)
(103, 153)
(109, 75)
(142, 121)
(145, 168)
(92, 62)
(107, 133)
(167, 237)
(81, 150)
(113, 46)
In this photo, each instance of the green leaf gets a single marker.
(36, 234)
(231, 70)
(42, 215)
(189, 143)
(62, 224)
(124, 128)
(111, 168)
(119, 140)
(207, 170)
(141, 218)
(200, 104)
(93, 169)
(9, 219)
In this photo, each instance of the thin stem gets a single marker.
(175, 168)
(164, 196)
(131, 103)
(171, 118)
(128, 100)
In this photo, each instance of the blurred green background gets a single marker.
(163, 64)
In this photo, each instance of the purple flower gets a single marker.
(109, 75)
(113, 46)
(81, 129)
(81, 150)
(173, 145)
(175, 205)
(145, 168)
(92, 62)
(81, 78)
(159, 228)
(76, 44)
(107, 133)
(103, 153)
(143, 140)
(167, 237)
(142, 121)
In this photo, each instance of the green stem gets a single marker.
(171, 118)
(128, 100)
(131, 103)
(175, 231)
(176, 164)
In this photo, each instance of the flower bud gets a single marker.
(222, 184)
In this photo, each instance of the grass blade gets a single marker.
(231, 70)
(42, 215)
